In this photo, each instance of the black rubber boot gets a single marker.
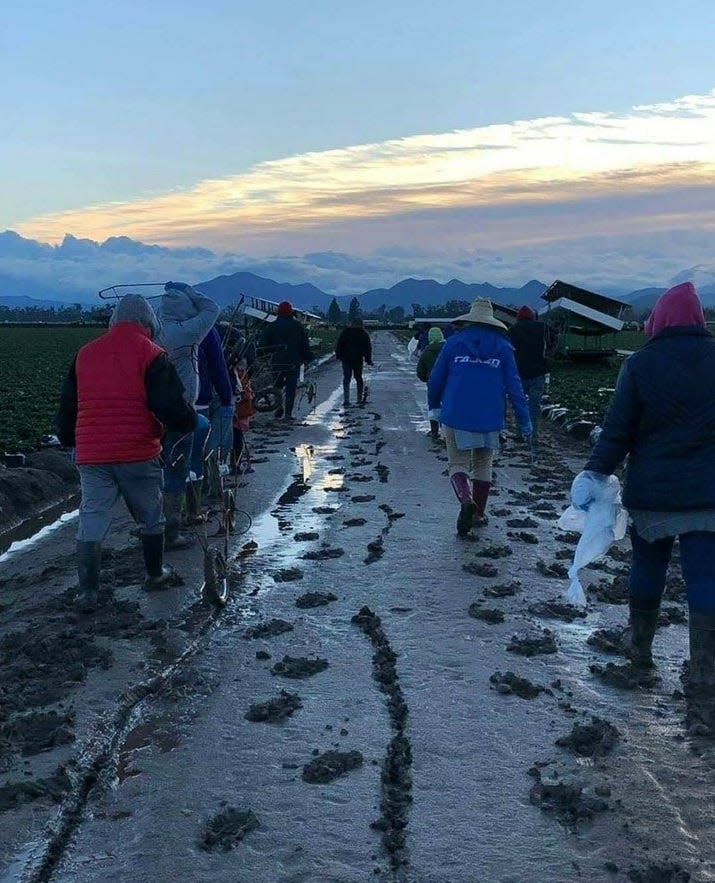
(158, 576)
(89, 561)
(701, 677)
(468, 508)
(346, 394)
(641, 631)
(434, 429)
(173, 538)
(360, 392)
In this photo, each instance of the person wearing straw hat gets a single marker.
(471, 379)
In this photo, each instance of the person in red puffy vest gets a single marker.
(121, 394)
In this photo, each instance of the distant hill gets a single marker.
(225, 290)
(426, 292)
(20, 302)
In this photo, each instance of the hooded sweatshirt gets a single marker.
(679, 306)
(429, 356)
(186, 318)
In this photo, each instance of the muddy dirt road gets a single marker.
(379, 701)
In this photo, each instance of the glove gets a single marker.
(584, 489)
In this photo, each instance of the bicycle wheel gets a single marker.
(215, 587)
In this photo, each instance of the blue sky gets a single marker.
(220, 123)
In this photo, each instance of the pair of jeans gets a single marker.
(650, 566)
(534, 389)
(287, 379)
(353, 368)
(138, 484)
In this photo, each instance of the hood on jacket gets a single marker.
(678, 307)
(435, 335)
(134, 308)
(175, 304)
(526, 313)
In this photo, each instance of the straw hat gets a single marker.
(481, 313)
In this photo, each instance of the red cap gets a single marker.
(285, 308)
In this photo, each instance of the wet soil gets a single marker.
(306, 536)
(613, 640)
(569, 801)
(51, 789)
(36, 732)
(322, 554)
(315, 599)
(354, 522)
(270, 629)
(591, 740)
(524, 537)
(503, 590)
(555, 570)
(481, 568)
(288, 575)
(296, 667)
(625, 677)
(487, 614)
(226, 829)
(522, 522)
(533, 643)
(510, 683)
(555, 609)
(330, 766)
(659, 873)
(495, 551)
(274, 710)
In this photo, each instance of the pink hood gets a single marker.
(679, 306)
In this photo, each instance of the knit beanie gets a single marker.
(285, 308)
(133, 308)
(435, 335)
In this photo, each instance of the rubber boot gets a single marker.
(640, 634)
(701, 678)
(360, 392)
(158, 576)
(468, 508)
(480, 495)
(173, 538)
(89, 561)
(194, 513)
(346, 394)
(434, 429)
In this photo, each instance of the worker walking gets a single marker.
(529, 338)
(353, 349)
(287, 341)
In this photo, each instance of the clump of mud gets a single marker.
(501, 513)
(533, 643)
(363, 498)
(36, 732)
(355, 522)
(269, 629)
(375, 550)
(296, 667)
(509, 683)
(569, 537)
(591, 740)
(392, 514)
(659, 873)
(480, 568)
(495, 552)
(487, 614)
(274, 710)
(615, 592)
(315, 599)
(522, 522)
(555, 570)
(331, 765)
(503, 590)
(570, 802)
(306, 536)
(524, 536)
(672, 614)
(325, 510)
(555, 609)
(612, 641)
(625, 677)
(288, 575)
(228, 828)
(323, 554)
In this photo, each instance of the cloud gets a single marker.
(298, 203)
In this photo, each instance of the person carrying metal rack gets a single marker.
(287, 339)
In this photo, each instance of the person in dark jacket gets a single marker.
(287, 340)
(663, 419)
(528, 336)
(471, 379)
(120, 395)
(426, 363)
(353, 349)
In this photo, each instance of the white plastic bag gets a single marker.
(604, 523)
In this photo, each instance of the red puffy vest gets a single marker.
(114, 423)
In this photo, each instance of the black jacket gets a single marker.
(353, 346)
(529, 339)
(286, 340)
(165, 398)
(663, 417)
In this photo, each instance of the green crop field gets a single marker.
(33, 363)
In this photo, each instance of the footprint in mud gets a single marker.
(296, 667)
(522, 522)
(486, 614)
(510, 683)
(533, 643)
(228, 828)
(503, 590)
(365, 498)
(323, 554)
(556, 570)
(354, 522)
(269, 629)
(568, 800)
(523, 536)
(495, 552)
(288, 575)
(275, 710)
(613, 641)
(556, 609)
(330, 766)
(306, 536)
(625, 677)
(315, 599)
(481, 568)
(591, 740)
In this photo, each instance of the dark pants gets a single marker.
(650, 565)
(353, 369)
(287, 379)
(534, 391)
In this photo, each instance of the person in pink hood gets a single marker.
(662, 419)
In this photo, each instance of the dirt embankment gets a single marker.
(26, 492)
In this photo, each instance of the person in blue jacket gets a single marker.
(471, 379)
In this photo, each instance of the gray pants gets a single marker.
(138, 484)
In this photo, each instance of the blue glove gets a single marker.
(584, 489)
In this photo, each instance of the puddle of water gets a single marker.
(30, 532)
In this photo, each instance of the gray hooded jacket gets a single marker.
(186, 317)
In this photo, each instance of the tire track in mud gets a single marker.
(396, 777)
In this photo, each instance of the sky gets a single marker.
(446, 134)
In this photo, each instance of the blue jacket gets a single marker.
(471, 379)
(663, 417)
(213, 373)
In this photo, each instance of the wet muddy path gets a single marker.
(379, 701)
